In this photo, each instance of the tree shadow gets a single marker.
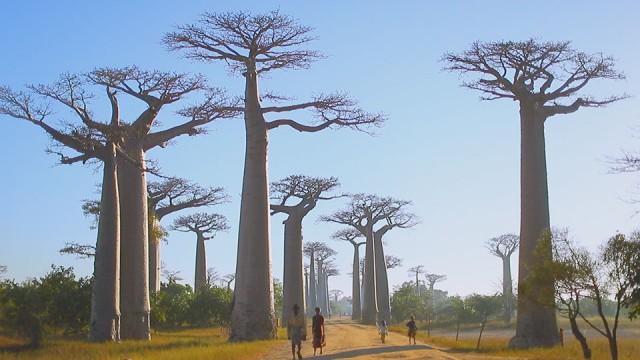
(372, 351)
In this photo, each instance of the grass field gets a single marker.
(496, 337)
(182, 344)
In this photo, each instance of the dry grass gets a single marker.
(183, 344)
(629, 348)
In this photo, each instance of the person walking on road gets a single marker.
(383, 330)
(317, 328)
(296, 331)
(413, 329)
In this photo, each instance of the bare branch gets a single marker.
(267, 41)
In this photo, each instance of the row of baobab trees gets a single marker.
(544, 78)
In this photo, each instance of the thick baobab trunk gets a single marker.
(105, 296)
(536, 322)
(253, 317)
(356, 307)
(134, 250)
(293, 281)
(382, 282)
(200, 280)
(154, 258)
(369, 301)
(507, 291)
(313, 285)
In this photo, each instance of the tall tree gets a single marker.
(539, 76)
(350, 235)
(417, 271)
(167, 197)
(397, 217)
(156, 90)
(296, 196)
(253, 45)
(431, 280)
(205, 226)
(329, 269)
(90, 140)
(323, 257)
(364, 213)
(503, 246)
(309, 249)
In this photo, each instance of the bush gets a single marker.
(56, 302)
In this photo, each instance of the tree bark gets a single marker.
(105, 295)
(321, 288)
(484, 322)
(536, 322)
(370, 305)
(507, 290)
(293, 280)
(306, 293)
(313, 285)
(253, 317)
(382, 282)
(326, 293)
(586, 351)
(200, 280)
(154, 260)
(356, 307)
(134, 251)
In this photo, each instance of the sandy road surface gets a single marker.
(347, 340)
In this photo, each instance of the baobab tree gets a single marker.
(546, 79)
(156, 90)
(329, 269)
(364, 213)
(503, 246)
(229, 279)
(336, 294)
(3, 270)
(431, 280)
(397, 218)
(166, 197)
(311, 250)
(89, 140)
(253, 45)
(350, 235)
(296, 196)
(205, 226)
(417, 271)
(323, 257)
(392, 261)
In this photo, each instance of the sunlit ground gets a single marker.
(182, 344)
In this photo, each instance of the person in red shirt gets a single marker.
(317, 328)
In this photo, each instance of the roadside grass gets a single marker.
(628, 348)
(210, 343)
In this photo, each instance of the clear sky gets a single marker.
(455, 157)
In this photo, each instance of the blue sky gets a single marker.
(455, 157)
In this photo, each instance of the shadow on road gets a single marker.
(372, 351)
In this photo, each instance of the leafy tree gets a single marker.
(405, 302)
(58, 301)
(482, 307)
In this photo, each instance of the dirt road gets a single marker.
(347, 340)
